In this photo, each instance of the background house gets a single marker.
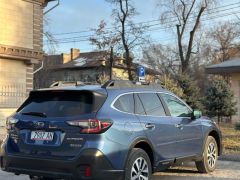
(231, 70)
(21, 33)
(87, 67)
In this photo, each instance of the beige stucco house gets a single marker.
(21, 34)
(230, 69)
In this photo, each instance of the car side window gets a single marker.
(138, 106)
(125, 103)
(152, 104)
(176, 107)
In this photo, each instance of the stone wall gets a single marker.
(13, 83)
(16, 27)
(13, 86)
(21, 34)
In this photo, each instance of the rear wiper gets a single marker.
(40, 114)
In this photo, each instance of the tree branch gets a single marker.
(190, 43)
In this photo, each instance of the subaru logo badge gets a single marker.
(39, 124)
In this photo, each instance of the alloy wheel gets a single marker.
(211, 155)
(140, 170)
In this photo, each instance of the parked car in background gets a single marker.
(120, 130)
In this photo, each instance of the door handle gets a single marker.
(180, 126)
(149, 126)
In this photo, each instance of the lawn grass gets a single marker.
(231, 139)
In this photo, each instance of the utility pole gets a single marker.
(111, 62)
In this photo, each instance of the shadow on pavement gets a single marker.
(162, 177)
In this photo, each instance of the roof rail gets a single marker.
(116, 84)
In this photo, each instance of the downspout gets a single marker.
(58, 3)
(41, 67)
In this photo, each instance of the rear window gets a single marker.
(60, 103)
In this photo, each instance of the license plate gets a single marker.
(42, 136)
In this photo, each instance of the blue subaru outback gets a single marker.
(120, 130)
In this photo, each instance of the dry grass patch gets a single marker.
(231, 139)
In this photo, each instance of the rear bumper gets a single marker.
(74, 169)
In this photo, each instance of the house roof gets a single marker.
(93, 60)
(226, 67)
(85, 60)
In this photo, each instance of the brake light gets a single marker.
(91, 126)
(87, 171)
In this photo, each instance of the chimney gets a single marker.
(74, 53)
(66, 58)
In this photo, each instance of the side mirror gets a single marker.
(196, 114)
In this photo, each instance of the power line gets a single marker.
(156, 20)
(78, 39)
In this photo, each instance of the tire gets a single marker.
(210, 156)
(133, 170)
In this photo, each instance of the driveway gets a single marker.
(226, 170)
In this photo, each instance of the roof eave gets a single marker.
(222, 70)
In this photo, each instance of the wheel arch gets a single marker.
(215, 134)
(146, 145)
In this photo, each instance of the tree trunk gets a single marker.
(124, 40)
(129, 64)
(180, 49)
(184, 67)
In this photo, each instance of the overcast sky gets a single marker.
(71, 21)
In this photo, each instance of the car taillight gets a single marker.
(91, 126)
(87, 171)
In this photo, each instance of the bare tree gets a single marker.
(51, 41)
(224, 40)
(131, 34)
(163, 59)
(186, 15)
(104, 38)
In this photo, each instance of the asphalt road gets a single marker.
(226, 170)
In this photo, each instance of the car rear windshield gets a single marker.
(60, 103)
